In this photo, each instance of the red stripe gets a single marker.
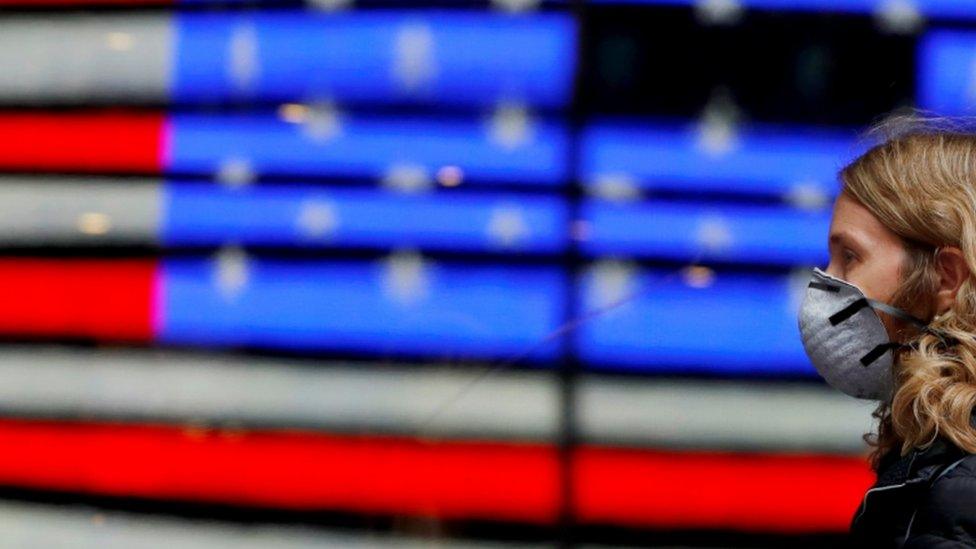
(507, 481)
(33, 3)
(770, 493)
(288, 470)
(101, 299)
(112, 142)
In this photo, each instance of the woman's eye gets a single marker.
(849, 256)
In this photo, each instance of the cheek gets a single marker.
(880, 281)
(880, 277)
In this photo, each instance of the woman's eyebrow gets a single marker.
(845, 238)
(837, 238)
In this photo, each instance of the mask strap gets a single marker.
(946, 341)
(876, 353)
(898, 313)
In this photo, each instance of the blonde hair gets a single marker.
(920, 182)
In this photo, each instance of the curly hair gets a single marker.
(920, 182)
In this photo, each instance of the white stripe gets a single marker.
(207, 388)
(724, 414)
(78, 211)
(28, 526)
(426, 400)
(83, 59)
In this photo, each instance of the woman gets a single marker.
(893, 318)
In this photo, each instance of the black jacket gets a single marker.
(924, 499)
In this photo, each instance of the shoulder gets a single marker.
(956, 486)
(946, 516)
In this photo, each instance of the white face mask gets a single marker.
(845, 338)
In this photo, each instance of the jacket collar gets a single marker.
(919, 465)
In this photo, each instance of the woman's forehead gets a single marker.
(853, 223)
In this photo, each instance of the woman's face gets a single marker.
(863, 251)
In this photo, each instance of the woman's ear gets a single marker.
(953, 271)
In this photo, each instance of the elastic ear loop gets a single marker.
(945, 340)
(898, 313)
